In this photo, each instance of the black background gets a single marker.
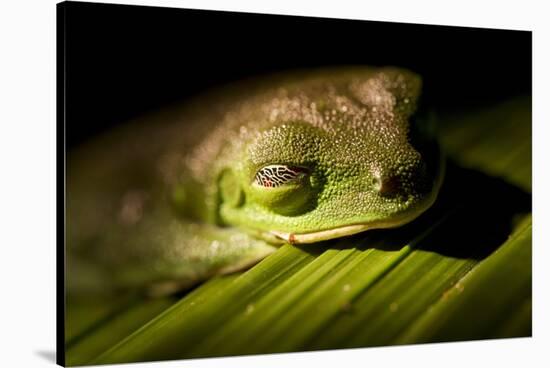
(121, 61)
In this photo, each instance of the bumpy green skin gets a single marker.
(152, 204)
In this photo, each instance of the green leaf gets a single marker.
(495, 297)
(118, 327)
(461, 271)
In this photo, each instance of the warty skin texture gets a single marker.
(173, 199)
(350, 129)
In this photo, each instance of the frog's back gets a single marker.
(184, 142)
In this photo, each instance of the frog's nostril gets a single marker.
(386, 185)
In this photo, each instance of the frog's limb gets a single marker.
(161, 253)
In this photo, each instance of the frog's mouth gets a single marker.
(347, 230)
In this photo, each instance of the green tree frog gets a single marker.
(217, 184)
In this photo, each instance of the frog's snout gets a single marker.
(401, 182)
(387, 185)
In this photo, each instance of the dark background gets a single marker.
(121, 61)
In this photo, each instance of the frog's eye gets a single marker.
(273, 176)
(284, 189)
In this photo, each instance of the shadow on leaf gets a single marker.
(473, 215)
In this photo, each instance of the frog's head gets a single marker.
(333, 157)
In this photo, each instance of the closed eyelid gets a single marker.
(272, 176)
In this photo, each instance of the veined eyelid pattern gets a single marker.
(276, 175)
